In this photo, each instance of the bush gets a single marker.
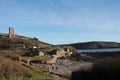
(106, 69)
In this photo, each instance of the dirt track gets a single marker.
(55, 77)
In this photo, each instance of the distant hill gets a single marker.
(95, 45)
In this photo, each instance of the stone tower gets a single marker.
(11, 32)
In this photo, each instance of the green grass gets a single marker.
(35, 58)
(67, 75)
(39, 75)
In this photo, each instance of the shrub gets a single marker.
(106, 69)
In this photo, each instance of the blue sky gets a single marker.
(62, 21)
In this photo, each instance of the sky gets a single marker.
(62, 21)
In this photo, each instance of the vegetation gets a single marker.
(28, 42)
(39, 75)
(95, 45)
(67, 76)
(37, 58)
(11, 70)
(106, 69)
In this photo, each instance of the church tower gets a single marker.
(11, 32)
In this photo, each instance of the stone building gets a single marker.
(11, 32)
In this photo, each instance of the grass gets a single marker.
(39, 75)
(13, 70)
(35, 58)
(67, 75)
(29, 43)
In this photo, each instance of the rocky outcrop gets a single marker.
(51, 61)
(61, 52)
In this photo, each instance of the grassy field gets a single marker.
(45, 58)
(39, 75)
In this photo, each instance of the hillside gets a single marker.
(19, 41)
(95, 45)
(11, 65)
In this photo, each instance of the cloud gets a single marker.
(66, 20)
(80, 20)
(76, 19)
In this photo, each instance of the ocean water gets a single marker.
(99, 50)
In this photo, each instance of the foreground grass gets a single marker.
(39, 75)
(13, 70)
